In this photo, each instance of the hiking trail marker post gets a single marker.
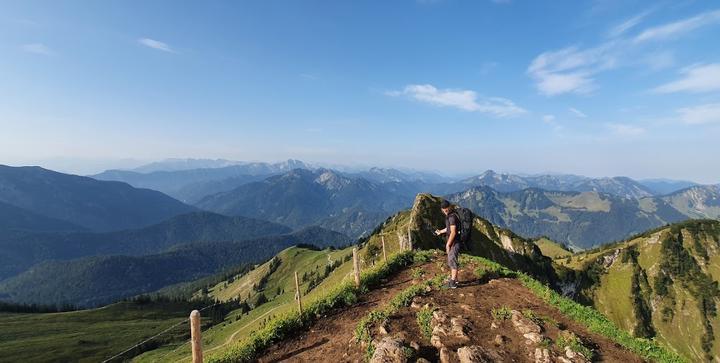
(356, 266)
(383, 245)
(195, 337)
(297, 293)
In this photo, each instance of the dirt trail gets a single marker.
(332, 337)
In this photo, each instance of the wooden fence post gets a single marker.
(356, 266)
(195, 337)
(384, 252)
(297, 293)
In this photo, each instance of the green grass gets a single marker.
(552, 249)
(279, 328)
(569, 339)
(88, 335)
(591, 318)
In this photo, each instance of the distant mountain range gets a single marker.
(93, 281)
(301, 198)
(189, 185)
(666, 186)
(85, 202)
(582, 219)
(177, 164)
(21, 250)
(618, 186)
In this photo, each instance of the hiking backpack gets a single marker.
(466, 223)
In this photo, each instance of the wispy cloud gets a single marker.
(625, 129)
(155, 44)
(308, 76)
(467, 100)
(701, 114)
(696, 79)
(675, 29)
(37, 48)
(577, 112)
(659, 60)
(574, 69)
(571, 69)
(487, 67)
(628, 24)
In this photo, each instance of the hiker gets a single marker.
(452, 246)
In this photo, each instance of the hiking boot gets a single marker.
(451, 284)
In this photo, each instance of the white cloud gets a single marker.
(659, 60)
(573, 69)
(625, 129)
(698, 78)
(628, 24)
(701, 114)
(577, 112)
(672, 30)
(549, 118)
(570, 70)
(37, 48)
(462, 99)
(155, 44)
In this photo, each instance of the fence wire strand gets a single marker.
(158, 334)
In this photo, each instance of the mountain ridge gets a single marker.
(96, 205)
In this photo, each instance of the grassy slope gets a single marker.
(612, 295)
(551, 248)
(223, 336)
(93, 335)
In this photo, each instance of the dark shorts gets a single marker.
(453, 256)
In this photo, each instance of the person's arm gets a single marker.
(440, 231)
(451, 237)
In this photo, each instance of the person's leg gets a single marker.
(453, 264)
(456, 254)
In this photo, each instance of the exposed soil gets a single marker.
(332, 339)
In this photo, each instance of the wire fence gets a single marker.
(147, 340)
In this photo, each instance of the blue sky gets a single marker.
(598, 88)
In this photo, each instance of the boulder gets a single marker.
(389, 350)
(473, 354)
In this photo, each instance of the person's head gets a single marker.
(446, 207)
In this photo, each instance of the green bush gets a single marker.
(424, 319)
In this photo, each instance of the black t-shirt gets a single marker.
(452, 219)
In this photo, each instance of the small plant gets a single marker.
(528, 313)
(424, 318)
(408, 352)
(422, 256)
(501, 313)
(569, 339)
(417, 273)
(546, 343)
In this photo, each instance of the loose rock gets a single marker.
(473, 354)
(389, 350)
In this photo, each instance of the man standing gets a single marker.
(452, 246)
